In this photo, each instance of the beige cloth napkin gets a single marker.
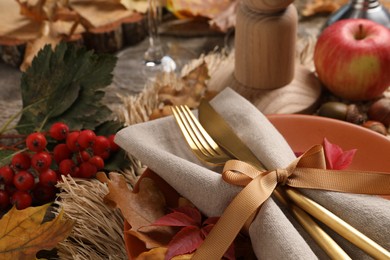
(274, 233)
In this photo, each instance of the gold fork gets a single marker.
(201, 143)
(207, 150)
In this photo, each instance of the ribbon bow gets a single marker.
(307, 171)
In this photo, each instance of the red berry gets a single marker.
(24, 181)
(48, 178)
(36, 142)
(4, 200)
(67, 167)
(83, 156)
(61, 152)
(11, 189)
(71, 141)
(44, 194)
(21, 161)
(101, 145)
(86, 138)
(59, 131)
(6, 175)
(114, 147)
(21, 199)
(41, 161)
(87, 170)
(97, 161)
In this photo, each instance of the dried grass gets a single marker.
(98, 230)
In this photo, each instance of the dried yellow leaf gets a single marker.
(23, 234)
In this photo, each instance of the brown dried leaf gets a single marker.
(40, 10)
(33, 47)
(23, 234)
(152, 237)
(15, 28)
(193, 90)
(96, 14)
(139, 209)
(194, 8)
(314, 7)
(139, 6)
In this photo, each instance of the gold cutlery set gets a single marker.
(214, 142)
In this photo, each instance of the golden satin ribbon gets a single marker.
(307, 171)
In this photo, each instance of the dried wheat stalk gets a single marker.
(98, 230)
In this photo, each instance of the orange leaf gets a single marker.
(139, 209)
(159, 253)
(153, 254)
(193, 8)
(23, 234)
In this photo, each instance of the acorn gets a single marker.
(380, 111)
(375, 126)
(341, 111)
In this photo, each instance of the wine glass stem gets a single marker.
(154, 53)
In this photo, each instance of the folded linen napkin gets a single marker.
(274, 233)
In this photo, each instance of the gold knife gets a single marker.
(222, 133)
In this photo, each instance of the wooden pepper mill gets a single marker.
(265, 43)
(264, 69)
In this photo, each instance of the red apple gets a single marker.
(352, 59)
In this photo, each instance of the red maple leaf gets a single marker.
(193, 231)
(336, 158)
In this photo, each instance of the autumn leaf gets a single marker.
(153, 254)
(336, 158)
(139, 209)
(23, 234)
(314, 7)
(139, 6)
(193, 89)
(187, 240)
(194, 8)
(180, 217)
(66, 85)
(193, 233)
(159, 253)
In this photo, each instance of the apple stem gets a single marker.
(360, 35)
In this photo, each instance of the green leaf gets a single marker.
(117, 161)
(109, 128)
(65, 85)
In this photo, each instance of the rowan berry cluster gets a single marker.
(31, 176)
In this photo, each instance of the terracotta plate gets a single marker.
(304, 131)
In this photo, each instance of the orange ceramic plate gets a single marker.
(304, 131)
